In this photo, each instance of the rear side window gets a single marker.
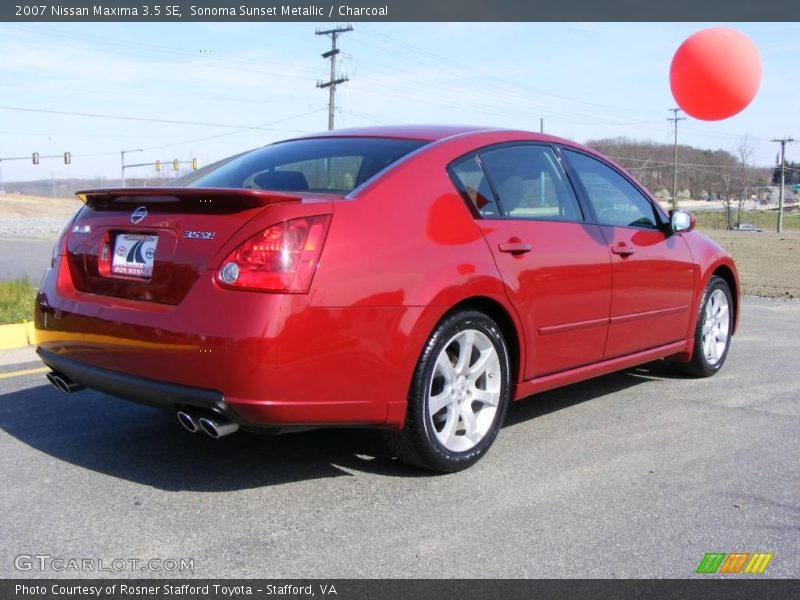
(329, 165)
(530, 183)
(475, 186)
(614, 199)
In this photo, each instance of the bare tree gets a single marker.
(744, 152)
(726, 183)
(722, 181)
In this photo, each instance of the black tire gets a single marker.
(700, 365)
(417, 443)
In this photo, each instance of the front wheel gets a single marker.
(458, 395)
(712, 336)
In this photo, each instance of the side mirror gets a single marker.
(680, 221)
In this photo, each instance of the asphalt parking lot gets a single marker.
(636, 474)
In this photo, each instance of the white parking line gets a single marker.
(23, 372)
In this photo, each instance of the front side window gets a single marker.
(330, 165)
(530, 183)
(614, 199)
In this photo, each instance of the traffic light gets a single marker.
(176, 164)
(36, 158)
(158, 166)
(67, 158)
(194, 164)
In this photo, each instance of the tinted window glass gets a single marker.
(188, 178)
(475, 186)
(614, 199)
(530, 183)
(336, 165)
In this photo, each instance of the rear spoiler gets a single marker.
(213, 199)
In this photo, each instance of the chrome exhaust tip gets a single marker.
(217, 427)
(188, 422)
(63, 383)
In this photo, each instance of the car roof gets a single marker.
(411, 132)
(433, 133)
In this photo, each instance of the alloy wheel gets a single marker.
(716, 327)
(464, 390)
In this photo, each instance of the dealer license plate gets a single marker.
(134, 254)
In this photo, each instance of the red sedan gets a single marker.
(415, 279)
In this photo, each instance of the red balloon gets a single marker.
(715, 73)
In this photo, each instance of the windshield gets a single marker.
(329, 165)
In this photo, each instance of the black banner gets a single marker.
(438, 589)
(396, 10)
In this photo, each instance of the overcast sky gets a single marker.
(244, 85)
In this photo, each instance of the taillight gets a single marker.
(58, 248)
(282, 258)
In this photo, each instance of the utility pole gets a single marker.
(122, 164)
(541, 124)
(675, 118)
(332, 82)
(52, 173)
(782, 142)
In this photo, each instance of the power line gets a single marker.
(494, 93)
(682, 164)
(257, 127)
(708, 172)
(189, 96)
(128, 118)
(520, 92)
(437, 59)
(366, 117)
(167, 51)
(408, 51)
(212, 137)
(701, 133)
(263, 126)
(519, 99)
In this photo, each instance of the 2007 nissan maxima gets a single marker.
(416, 279)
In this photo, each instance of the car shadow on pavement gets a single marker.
(147, 446)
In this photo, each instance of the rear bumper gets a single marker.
(139, 389)
(261, 360)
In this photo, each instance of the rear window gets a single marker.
(329, 165)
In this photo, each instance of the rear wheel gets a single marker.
(458, 395)
(712, 336)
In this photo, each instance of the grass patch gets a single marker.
(763, 219)
(17, 298)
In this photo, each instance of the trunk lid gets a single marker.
(152, 244)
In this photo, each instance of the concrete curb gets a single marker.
(17, 335)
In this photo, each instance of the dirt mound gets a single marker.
(20, 205)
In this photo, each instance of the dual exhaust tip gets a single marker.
(63, 383)
(216, 427)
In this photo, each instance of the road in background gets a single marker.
(636, 474)
(29, 226)
(24, 258)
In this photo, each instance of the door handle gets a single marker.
(622, 250)
(514, 247)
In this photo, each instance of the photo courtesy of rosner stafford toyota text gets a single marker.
(426, 300)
